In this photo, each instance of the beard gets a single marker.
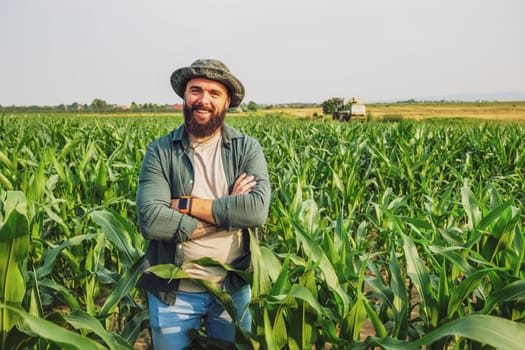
(203, 130)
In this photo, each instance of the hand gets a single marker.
(174, 203)
(243, 184)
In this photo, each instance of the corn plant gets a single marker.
(393, 235)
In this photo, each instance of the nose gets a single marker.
(205, 98)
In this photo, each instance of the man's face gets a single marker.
(205, 105)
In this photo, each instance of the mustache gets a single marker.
(200, 106)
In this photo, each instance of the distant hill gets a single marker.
(469, 97)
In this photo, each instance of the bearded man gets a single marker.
(201, 187)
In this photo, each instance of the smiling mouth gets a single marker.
(201, 109)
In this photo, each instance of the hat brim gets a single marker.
(181, 76)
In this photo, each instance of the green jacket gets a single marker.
(167, 172)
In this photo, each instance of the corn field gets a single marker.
(402, 235)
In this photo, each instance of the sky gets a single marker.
(284, 51)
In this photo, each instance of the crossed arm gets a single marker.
(202, 208)
(246, 205)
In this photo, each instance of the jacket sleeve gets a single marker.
(156, 219)
(247, 210)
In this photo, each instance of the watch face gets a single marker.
(183, 203)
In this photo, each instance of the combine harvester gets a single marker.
(348, 109)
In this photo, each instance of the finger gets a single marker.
(247, 180)
(240, 178)
(246, 188)
(246, 183)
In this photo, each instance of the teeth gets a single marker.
(202, 109)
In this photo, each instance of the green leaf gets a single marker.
(261, 275)
(375, 319)
(125, 284)
(273, 266)
(50, 255)
(58, 335)
(514, 291)
(14, 249)
(84, 321)
(64, 293)
(282, 282)
(494, 331)
(315, 252)
(168, 271)
(464, 290)
(117, 231)
(470, 205)
(272, 340)
(133, 326)
(4, 181)
(279, 330)
(451, 254)
(420, 275)
(400, 303)
(354, 321)
(296, 292)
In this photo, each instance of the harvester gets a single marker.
(348, 108)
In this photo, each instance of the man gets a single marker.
(200, 188)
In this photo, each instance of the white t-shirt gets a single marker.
(219, 244)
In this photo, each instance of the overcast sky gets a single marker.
(284, 51)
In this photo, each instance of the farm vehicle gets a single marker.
(346, 109)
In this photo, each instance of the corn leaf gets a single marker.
(118, 232)
(420, 275)
(494, 331)
(512, 292)
(125, 284)
(55, 334)
(14, 249)
(83, 321)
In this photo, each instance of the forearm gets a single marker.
(241, 211)
(247, 205)
(157, 221)
(200, 208)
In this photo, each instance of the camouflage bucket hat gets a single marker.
(209, 69)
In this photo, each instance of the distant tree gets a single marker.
(149, 107)
(98, 105)
(134, 107)
(252, 106)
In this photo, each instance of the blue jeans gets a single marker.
(170, 324)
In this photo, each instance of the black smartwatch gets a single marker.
(185, 204)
